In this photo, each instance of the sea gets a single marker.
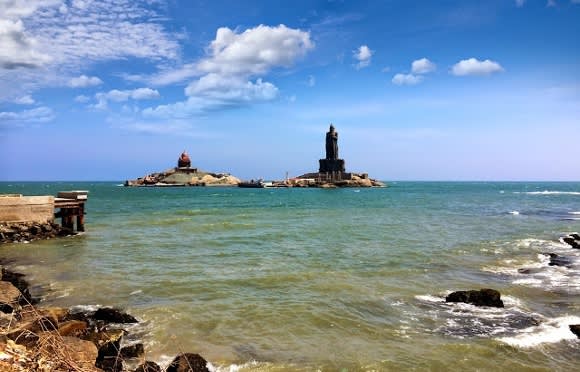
(306, 279)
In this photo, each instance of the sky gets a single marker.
(417, 90)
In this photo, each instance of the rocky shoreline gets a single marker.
(24, 232)
(37, 338)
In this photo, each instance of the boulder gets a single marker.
(483, 297)
(73, 328)
(572, 241)
(132, 351)
(148, 367)
(68, 351)
(188, 362)
(110, 315)
(18, 281)
(10, 297)
(556, 260)
(575, 328)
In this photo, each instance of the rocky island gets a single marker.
(332, 172)
(184, 175)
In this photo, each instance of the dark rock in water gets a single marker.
(148, 367)
(111, 315)
(575, 328)
(556, 260)
(483, 297)
(188, 362)
(572, 240)
(528, 270)
(110, 364)
(133, 351)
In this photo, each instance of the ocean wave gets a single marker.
(515, 213)
(466, 320)
(548, 192)
(551, 331)
(573, 212)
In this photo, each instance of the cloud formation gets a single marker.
(17, 48)
(65, 38)
(475, 67)
(231, 74)
(24, 100)
(406, 79)
(419, 67)
(36, 115)
(84, 81)
(116, 95)
(363, 55)
(422, 66)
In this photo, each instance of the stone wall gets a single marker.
(18, 208)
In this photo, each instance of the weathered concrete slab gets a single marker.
(18, 208)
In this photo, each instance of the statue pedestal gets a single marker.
(331, 165)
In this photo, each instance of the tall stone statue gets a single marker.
(331, 144)
(331, 164)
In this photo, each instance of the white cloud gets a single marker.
(82, 99)
(226, 73)
(474, 66)
(520, 3)
(254, 51)
(37, 115)
(67, 37)
(406, 79)
(311, 81)
(24, 100)
(422, 66)
(363, 55)
(116, 95)
(17, 48)
(84, 81)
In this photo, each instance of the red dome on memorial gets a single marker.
(184, 161)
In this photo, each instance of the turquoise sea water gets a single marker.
(317, 279)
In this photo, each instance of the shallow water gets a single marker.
(307, 279)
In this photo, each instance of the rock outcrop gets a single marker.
(572, 240)
(483, 297)
(188, 362)
(54, 339)
(575, 328)
(26, 232)
(185, 177)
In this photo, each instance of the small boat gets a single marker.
(259, 184)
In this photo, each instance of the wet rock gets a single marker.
(188, 362)
(110, 364)
(572, 240)
(110, 315)
(528, 270)
(132, 351)
(575, 328)
(556, 260)
(148, 367)
(483, 297)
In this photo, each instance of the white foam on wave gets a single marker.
(430, 298)
(573, 212)
(85, 308)
(552, 331)
(548, 192)
(515, 213)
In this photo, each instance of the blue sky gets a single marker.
(418, 90)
